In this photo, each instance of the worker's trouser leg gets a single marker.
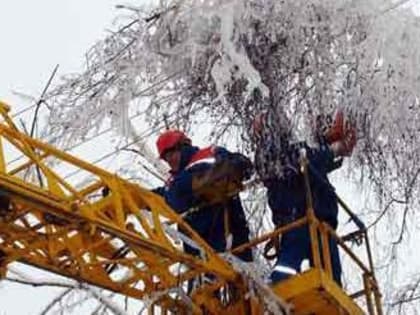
(335, 261)
(294, 248)
(335, 258)
(240, 231)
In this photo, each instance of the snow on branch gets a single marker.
(223, 62)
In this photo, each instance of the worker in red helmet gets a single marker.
(277, 163)
(220, 218)
(170, 142)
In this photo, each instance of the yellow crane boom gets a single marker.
(79, 233)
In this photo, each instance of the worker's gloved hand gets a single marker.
(272, 248)
(242, 166)
(349, 140)
(336, 131)
(342, 136)
(159, 190)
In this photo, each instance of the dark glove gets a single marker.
(159, 190)
(273, 243)
(242, 166)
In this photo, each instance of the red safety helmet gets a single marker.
(170, 139)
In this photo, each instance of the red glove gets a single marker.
(342, 135)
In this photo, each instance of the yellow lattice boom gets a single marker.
(79, 233)
(116, 235)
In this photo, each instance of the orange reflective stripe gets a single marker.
(205, 155)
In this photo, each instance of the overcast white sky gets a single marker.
(34, 37)
(37, 35)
